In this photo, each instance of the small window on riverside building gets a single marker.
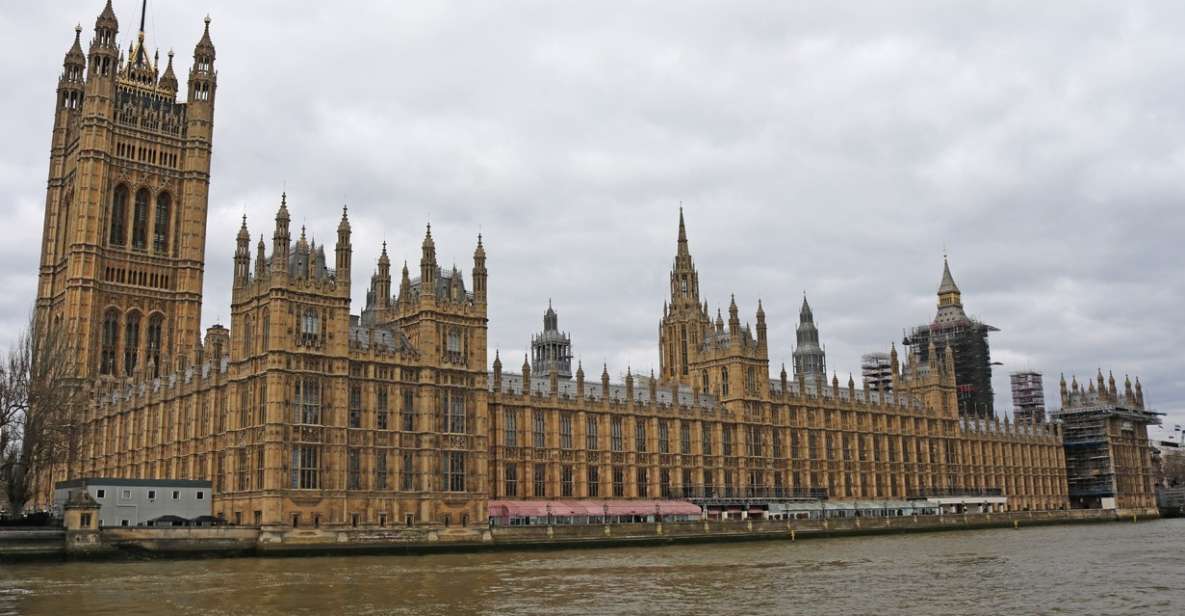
(201, 495)
(101, 494)
(152, 495)
(176, 494)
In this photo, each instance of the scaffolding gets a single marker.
(968, 340)
(877, 369)
(1089, 436)
(1028, 397)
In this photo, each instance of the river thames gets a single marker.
(1118, 568)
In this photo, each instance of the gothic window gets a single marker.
(453, 345)
(409, 411)
(618, 481)
(591, 434)
(310, 327)
(540, 481)
(456, 412)
(511, 428)
(305, 467)
(643, 480)
(594, 483)
(407, 483)
(640, 434)
(382, 403)
(131, 342)
(110, 340)
(511, 479)
(307, 401)
(140, 219)
(540, 435)
(265, 331)
(354, 469)
(664, 482)
(724, 381)
(684, 438)
(155, 325)
(727, 439)
(566, 431)
(160, 233)
(615, 434)
(454, 471)
(566, 481)
(247, 336)
(355, 406)
(664, 436)
(380, 471)
(64, 222)
(119, 217)
(705, 380)
(706, 443)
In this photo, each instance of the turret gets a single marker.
(260, 260)
(479, 273)
(242, 255)
(734, 321)
(605, 382)
(203, 80)
(281, 237)
(497, 372)
(72, 82)
(1139, 394)
(428, 265)
(168, 82)
(761, 331)
(382, 280)
(579, 380)
(405, 285)
(344, 250)
(1064, 391)
(104, 55)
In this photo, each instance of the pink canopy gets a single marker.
(580, 508)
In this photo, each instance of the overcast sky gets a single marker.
(831, 147)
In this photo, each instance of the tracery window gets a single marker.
(160, 235)
(140, 219)
(155, 325)
(131, 342)
(109, 342)
(307, 401)
(117, 235)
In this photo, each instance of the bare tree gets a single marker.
(40, 399)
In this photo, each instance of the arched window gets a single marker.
(131, 342)
(110, 339)
(310, 327)
(119, 217)
(140, 219)
(248, 343)
(64, 224)
(155, 325)
(160, 233)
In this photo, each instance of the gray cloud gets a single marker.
(835, 148)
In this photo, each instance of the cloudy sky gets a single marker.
(831, 147)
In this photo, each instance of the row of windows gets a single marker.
(308, 465)
(148, 155)
(136, 277)
(121, 220)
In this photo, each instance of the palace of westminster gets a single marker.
(302, 413)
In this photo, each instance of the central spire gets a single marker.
(143, 13)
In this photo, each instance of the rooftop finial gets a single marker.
(143, 13)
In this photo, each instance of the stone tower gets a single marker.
(685, 321)
(123, 243)
(551, 349)
(810, 360)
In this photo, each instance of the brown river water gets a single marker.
(1119, 568)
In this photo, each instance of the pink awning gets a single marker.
(580, 508)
